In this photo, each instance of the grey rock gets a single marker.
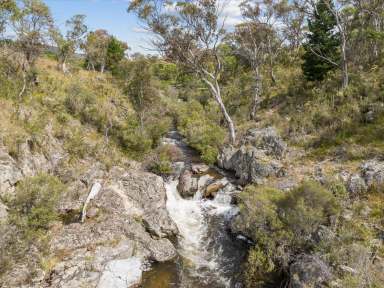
(309, 271)
(10, 174)
(356, 185)
(373, 173)
(224, 159)
(3, 212)
(256, 158)
(132, 222)
(250, 164)
(124, 273)
(199, 168)
(188, 184)
(266, 139)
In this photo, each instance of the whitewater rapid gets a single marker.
(201, 259)
(209, 256)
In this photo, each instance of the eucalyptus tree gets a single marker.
(140, 88)
(31, 24)
(251, 40)
(7, 8)
(189, 33)
(368, 31)
(96, 49)
(67, 45)
(267, 13)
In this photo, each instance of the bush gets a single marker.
(76, 146)
(34, 206)
(161, 164)
(303, 209)
(200, 129)
(135, 142)
(31, 212)
(282, 226)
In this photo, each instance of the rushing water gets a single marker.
(208, 255)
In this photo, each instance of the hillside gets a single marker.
(250, 156)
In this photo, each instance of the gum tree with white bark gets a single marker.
(189, 34)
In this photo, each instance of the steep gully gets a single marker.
(209, 256)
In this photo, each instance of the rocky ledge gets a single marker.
(257, 157)
(124, 222)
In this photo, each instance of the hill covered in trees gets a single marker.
(291, 100)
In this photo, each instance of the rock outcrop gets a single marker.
(266, 139)
(133, 222)
(188, 184)
(10, 174)
(126, 219)
(257, 158)
(309, 271)
(370, 176)
(373, 173)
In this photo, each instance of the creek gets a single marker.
(209, 256)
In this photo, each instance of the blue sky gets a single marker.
(110, 15)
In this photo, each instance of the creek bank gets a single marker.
(265, 161)
(125, 221)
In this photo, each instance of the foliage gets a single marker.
(282, 225)
(66, 46)
(7, 7)
(321, 51)
(31, 23)
(115, 53)
(96, 48)
(140, 89)
(200, 130)
(164, 156)
(34, 206)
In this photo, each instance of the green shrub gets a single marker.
(200, 129)
(135, 142)
(34, 206)
(303, 209)
(282, 226)
(164, 156)
(31, 211)
(76, 146)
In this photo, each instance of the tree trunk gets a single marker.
(215, 90)
(64, 67)
(257, 95)
(344, 62)
(272, 73)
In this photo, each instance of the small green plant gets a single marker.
(34, 206)
(165, 155)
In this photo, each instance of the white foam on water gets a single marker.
(190, 216)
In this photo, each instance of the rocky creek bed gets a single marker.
(199, 201)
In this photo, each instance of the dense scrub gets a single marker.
(311, 219)
(32, 210)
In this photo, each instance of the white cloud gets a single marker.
(231, 12)
(139, 30)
